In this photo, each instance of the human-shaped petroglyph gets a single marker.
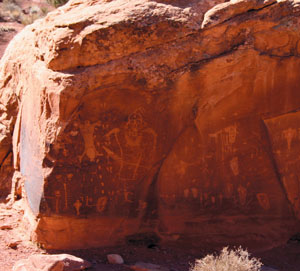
(128, 196)
(142, 205)
(87, 130)
(67, 182)
(289, 134)
(130, 146)
(234, 165)
(194, 192)
(101, 204)
(77, 206)
(226, 138)
(66, 196)
(231, 133)
(57, 200)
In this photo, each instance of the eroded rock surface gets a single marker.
(178, 118)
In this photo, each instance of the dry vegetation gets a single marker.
(228, 260)
(57, 3)
(11, 11)
(5, 29)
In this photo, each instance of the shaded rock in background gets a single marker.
(135, 117)
(6, 173)
(266, 268)
(295, 238)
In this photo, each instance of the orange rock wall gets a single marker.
(173, 117)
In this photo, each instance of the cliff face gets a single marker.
(178, 118)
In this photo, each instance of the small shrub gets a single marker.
(9, 2)
(44, 10)
(57, 3)
(4, 29)
(228, 260)
(33, 14)
(12, 10)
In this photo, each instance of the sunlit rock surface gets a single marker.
(172, 118)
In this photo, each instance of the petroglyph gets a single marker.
(289, 134)
(77, 206)
(263, 200)
(142, 205)
(127, 196)
(130, 146)
(234, 165)
(242, 191)
(57, 200)
(101, 204)
(226, 138)
(194, 192)
(87, 130)
(66, 196)
(231, 132)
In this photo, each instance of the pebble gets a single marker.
(115, 259)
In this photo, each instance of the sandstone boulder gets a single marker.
(59, 262)
(176, 118)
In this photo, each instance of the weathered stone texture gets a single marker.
(173, 117)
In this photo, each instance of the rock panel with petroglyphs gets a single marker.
(156, 118)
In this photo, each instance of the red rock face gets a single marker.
(284, 134)
(157, 118)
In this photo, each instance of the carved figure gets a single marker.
(77, 206)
